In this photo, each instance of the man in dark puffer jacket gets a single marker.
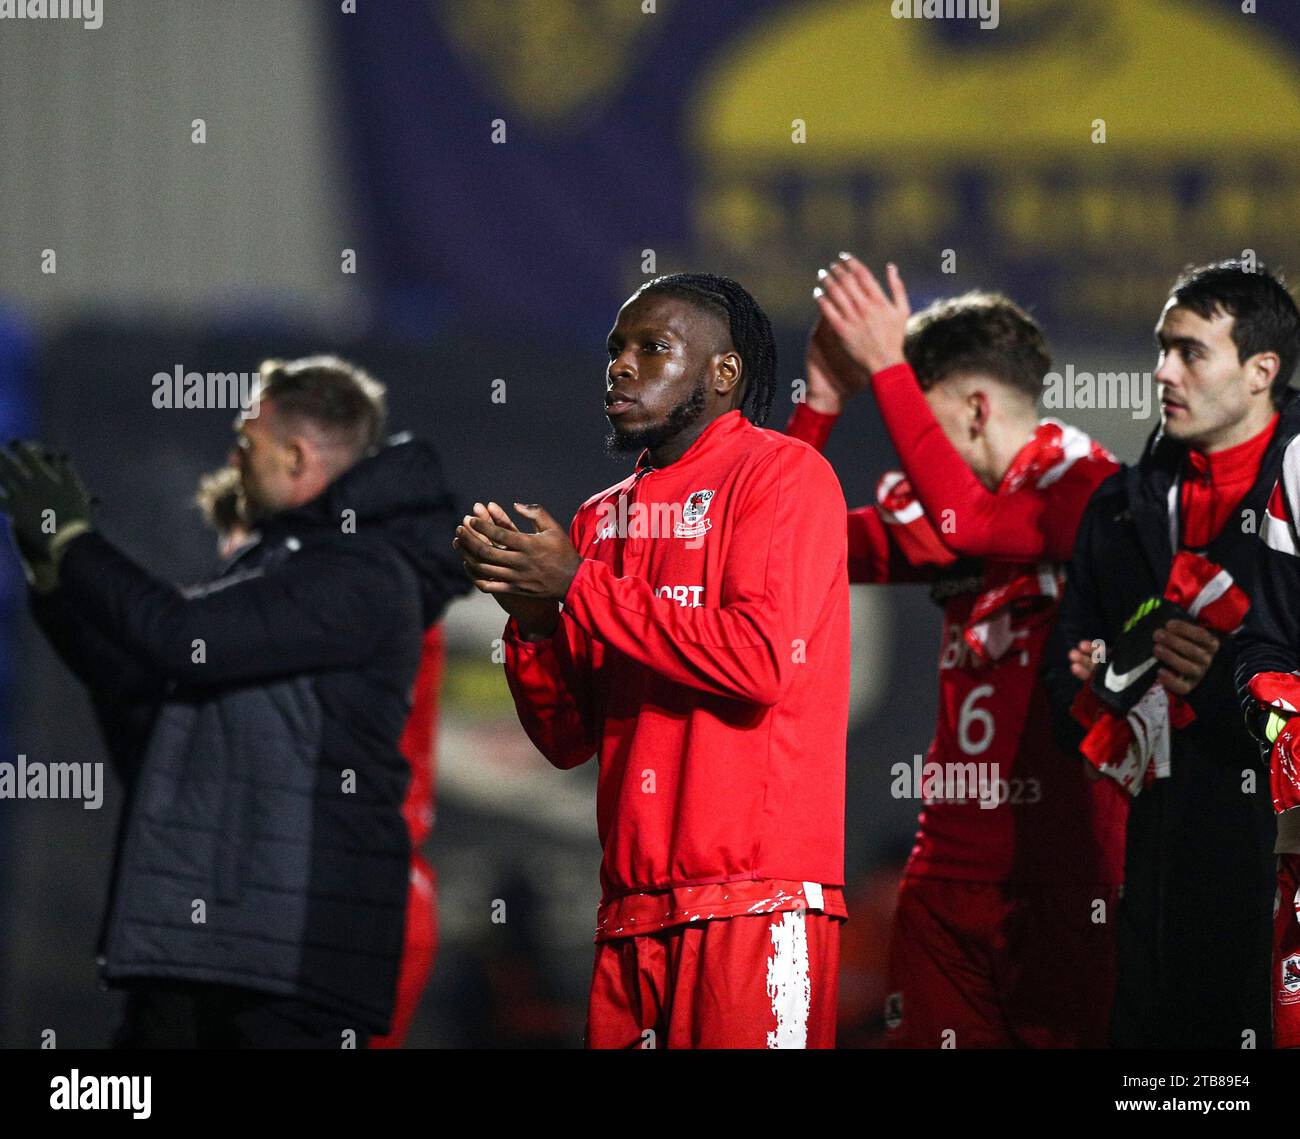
(260, 882)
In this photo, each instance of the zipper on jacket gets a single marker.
(633, 545)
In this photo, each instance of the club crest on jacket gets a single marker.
(693, 523)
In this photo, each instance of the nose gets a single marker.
(1167, 369)
(620, 368)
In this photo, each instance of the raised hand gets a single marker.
(833, 377)
(43, 496)
(870, 325)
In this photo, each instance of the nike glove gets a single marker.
(1132, 666)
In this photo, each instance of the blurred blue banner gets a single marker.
(526, 163)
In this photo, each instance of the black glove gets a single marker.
(1132, 665)
(43, 496)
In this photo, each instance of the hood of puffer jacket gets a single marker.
(401, 489)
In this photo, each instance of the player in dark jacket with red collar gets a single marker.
(1194, 921)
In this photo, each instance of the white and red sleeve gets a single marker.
(1269, 640)
(1029, 524)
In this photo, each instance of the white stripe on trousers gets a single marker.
(789, 984)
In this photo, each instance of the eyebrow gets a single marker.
(1165, 341)
(648, 331)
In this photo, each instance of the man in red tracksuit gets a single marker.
(1002, 935)
(702, 655)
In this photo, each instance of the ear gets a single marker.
(727, 372)
(977, 404)
(299, 458)
(1263, 371)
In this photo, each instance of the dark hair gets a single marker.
(339, 399)
(1264, 314)
(751, 331)
(978, 332)
(218, 498)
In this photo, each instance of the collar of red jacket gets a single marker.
(727, 424)
(1239, 464)
(1046, 448)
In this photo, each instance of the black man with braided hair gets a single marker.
(702, 655)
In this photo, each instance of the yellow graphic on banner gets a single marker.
(550, 58)
(1112, 140)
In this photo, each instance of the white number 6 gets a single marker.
(968, 715)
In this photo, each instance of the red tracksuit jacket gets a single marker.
(702, 655)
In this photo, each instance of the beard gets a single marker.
(252, 509)
(681, 417)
